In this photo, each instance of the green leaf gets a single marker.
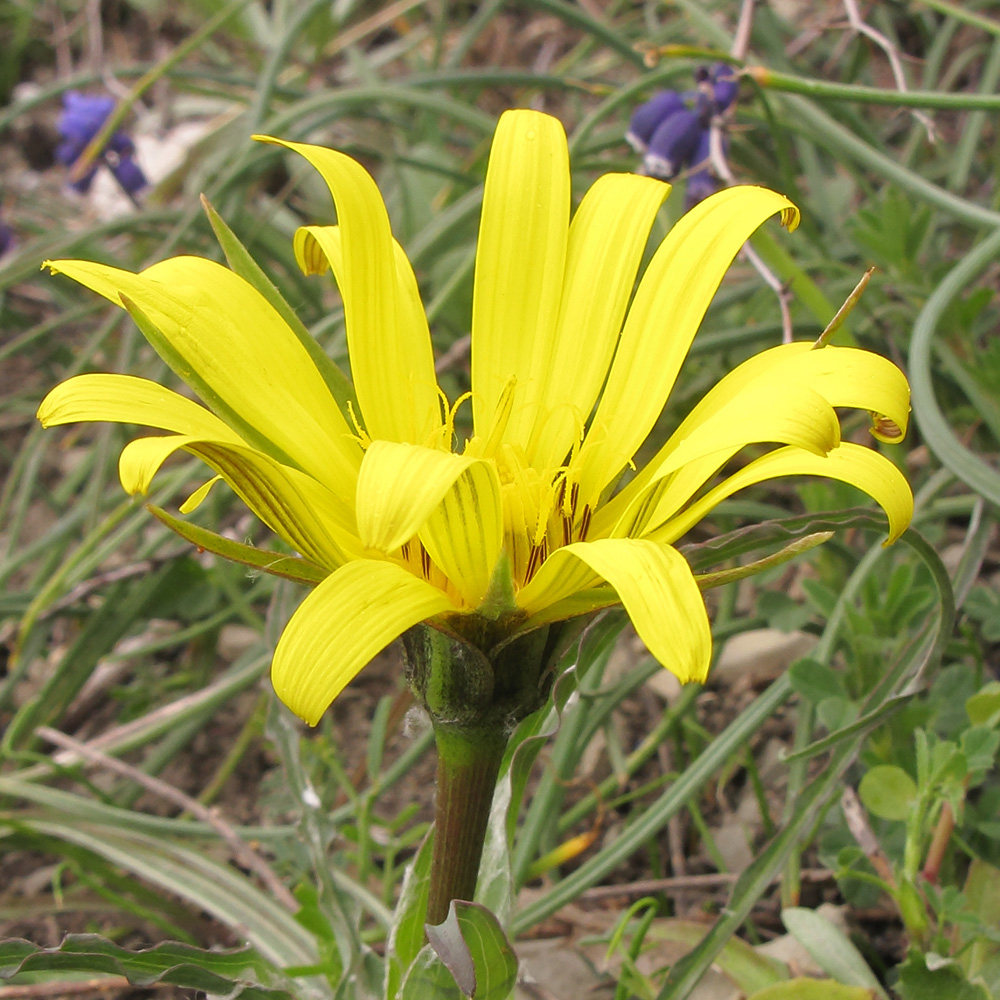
(236, 973)
(289, 567)
(811, 989)
(932, 977)
(708, 580)
(831, 949)
(428, 979)
(888, 791)
(240, 260)
(979, 747)
(216, 887)
(472, 944)
(983, 707)
(982, 898)
(747, 968)
(837, 713)
(816, 681)
(123, 607)
(496, 882)
(935, 429)
(406, 936)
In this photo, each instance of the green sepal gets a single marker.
(499, 599)
(288, 567)
(708, 580)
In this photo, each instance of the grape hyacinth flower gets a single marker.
(672, 130)
(7, 239)
(82, 118)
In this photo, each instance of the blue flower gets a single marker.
(81, 120)
(649, 115)
(8, 241)
(672, 129)
(700, 182)
(673, 144)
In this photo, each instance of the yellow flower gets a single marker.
(519, 526)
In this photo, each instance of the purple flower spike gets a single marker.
(128, 174)
(673, 144)
(701, 181)
(726, 86)
(649, 116)
(699, 186)
(82, 118)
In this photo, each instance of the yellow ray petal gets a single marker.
(196, 499)
(862, 467)
(125, 399)
(520, 261)
(792, 414)
(320, 247)
(606, 240)
(464, 532)
(668, 307)
(307, 515)
(228, 342)
(841, 376)
(844, 376)
(341, 625)
(453, 501)
(392, 363)
(656, 587)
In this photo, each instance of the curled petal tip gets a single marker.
(790, 218)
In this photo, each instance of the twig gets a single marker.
(741, 39)
(721, 166)
(859, 25)
(861, 831)
(242, 852)
(456, 353)
(741, 42)
(86, 587)
(685, 883)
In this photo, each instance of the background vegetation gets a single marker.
(196, 812)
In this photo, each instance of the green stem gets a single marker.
(772, 79)
(468, 765)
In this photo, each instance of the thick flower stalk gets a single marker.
(491, 540)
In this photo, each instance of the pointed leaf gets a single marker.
(288, 567)
(473, 946)
(235, 973)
